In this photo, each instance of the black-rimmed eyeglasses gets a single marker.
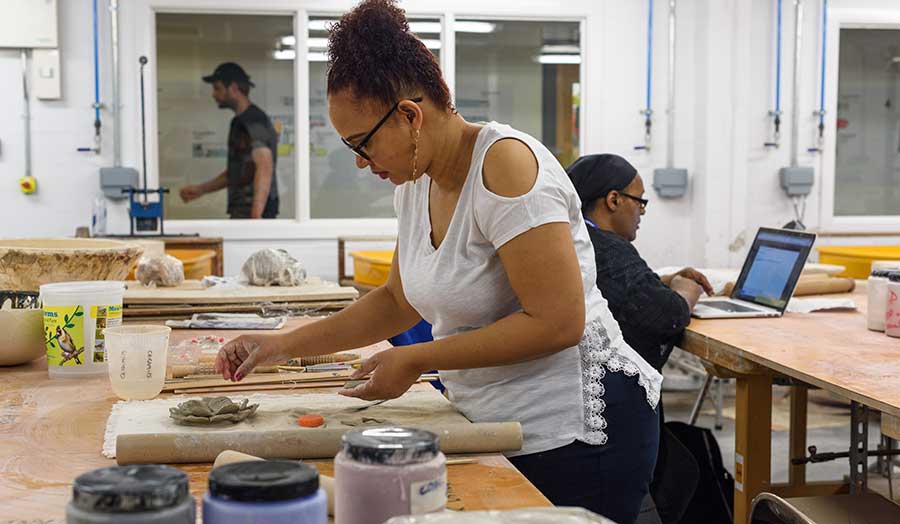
(358, 148)
(641, 201)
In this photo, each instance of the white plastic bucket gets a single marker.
(75, 315)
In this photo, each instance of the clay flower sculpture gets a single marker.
(210, 410)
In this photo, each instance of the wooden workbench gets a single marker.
(52, 430)
(831, 350)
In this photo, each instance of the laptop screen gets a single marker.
(773, 267)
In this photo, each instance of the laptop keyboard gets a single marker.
(730, 307)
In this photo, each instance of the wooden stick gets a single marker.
(188, 371)
(457, 462)
(237, 388)
(240, 386)
(262, 378)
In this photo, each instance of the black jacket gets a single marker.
(652, 316)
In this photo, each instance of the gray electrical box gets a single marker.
(114, 179)
(670, 182)
(797, 181)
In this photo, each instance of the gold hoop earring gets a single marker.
(415, 158)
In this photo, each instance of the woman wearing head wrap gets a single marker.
(652, 311)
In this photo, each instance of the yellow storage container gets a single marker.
(371, 267)
(198, 263)
(857, 259)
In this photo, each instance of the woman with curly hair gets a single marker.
(492, 250)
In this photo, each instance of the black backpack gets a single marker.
(713, 500)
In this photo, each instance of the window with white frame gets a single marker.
(867, 161)
(337, 188)
(522, 73)
(525, 73)
(193, 130)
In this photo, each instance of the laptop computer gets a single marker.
(767, 280)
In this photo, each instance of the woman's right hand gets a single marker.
(240, 356)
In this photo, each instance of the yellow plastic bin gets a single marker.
(857, 259)
(198, 263)
(371, 267)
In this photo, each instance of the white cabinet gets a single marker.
(28, 23)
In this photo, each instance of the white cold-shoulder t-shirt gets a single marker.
(462, 285)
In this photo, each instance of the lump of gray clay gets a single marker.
(210, 410)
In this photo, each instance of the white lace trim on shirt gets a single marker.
(598, 355)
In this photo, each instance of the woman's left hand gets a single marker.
(393, 372)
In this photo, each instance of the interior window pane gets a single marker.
(337, 188)
(867, 168)
(525, 74)
(193, 131)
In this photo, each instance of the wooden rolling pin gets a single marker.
(813, 285)
(299, 443)
(824, 286)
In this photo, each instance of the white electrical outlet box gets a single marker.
(46, 80)
(29, 24)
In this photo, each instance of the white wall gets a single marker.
(724, 90)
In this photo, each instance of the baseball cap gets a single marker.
(229, 72)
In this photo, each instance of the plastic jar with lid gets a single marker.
(877, 298)
(387, 472)
(145, 494)
(270, 491)
(892, 313)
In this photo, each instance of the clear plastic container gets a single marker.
(877, 299)
(516, 516)
(892, 313)
(75, 315)
(137, 360)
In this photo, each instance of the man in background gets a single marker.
(252, 150)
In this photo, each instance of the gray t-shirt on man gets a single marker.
(249, 130)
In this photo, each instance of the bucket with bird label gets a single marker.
(75, 315)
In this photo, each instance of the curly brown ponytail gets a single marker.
(372, 52)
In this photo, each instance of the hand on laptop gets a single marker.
(689, 290)
(691, 274)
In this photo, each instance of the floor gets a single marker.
(829, 430)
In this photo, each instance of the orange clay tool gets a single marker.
(311, 421)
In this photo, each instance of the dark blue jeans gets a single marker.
(610, 479)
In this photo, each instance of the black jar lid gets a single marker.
(263, 481)
(130, 489)
(881, 273)
(393, 446)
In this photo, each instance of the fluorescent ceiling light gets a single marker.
(461, 26)
(425, 27)
(431, 43)
(284, 54)
(472, 26)
(317, 57)
(415, 27)
(320, 25)
(552, 49)
(559, 59)
(322, 43)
